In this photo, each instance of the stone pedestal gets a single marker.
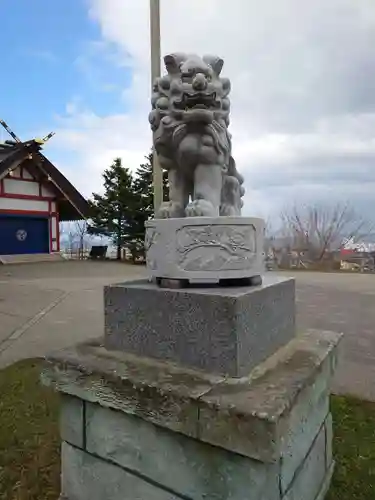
(225, 331)
(195, 394)
(137, 428)
(205, 249)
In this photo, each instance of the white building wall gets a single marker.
(13, 186)
(53, 227)
(21, 204)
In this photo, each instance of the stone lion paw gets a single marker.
(228, 210)
(201, 208)
(170, 210)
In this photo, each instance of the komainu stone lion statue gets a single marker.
(189, 120)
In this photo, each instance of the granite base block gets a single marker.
(72, 420)
(184, 465)
(86, 477)
(226, 331)
(309, 479)
(153, 430)
(326, 483)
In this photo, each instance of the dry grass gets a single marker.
(29, 436)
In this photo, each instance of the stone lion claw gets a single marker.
(200, 208)
(169, 210)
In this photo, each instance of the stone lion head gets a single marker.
(191, 91)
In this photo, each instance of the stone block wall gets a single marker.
(107, 454)
(133, 428)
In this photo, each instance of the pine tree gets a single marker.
(143, 184)
(113, 212)
(144, 190)
(125, 206)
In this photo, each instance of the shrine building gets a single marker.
(34, 197)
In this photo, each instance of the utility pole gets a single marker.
(155, 73)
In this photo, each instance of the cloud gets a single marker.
(303, 100)
(102, 66)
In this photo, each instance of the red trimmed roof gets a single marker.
(71, 205)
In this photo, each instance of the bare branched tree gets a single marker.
(318, 229)
(81, 230)
(75, 236)
(68, 236)
(270, 234)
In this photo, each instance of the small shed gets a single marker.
(34, 197)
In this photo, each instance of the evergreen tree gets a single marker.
(143, 184)
(126, 204)
(113, 213)
(144, 190)
(143, 187)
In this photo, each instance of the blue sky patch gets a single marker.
(51, 56)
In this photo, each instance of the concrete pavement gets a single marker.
(343, 303)
(49, 306)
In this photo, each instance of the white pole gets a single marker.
(155, 73)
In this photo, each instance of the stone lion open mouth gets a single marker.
(197, 101)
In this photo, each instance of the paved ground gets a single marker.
(343, 303)
(52, 305)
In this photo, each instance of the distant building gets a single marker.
(34, 197)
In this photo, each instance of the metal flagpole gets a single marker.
(155, 73)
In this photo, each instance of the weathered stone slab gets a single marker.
(161, 393)
(329, 440)
(205, 249)
(252, 418)
(326, 483)
(227, 331)
(187, 466)
(72, 420)
(247, 416)
(302, 424)
(309, 481)
(85, 477)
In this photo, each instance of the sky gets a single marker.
(303, 88)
